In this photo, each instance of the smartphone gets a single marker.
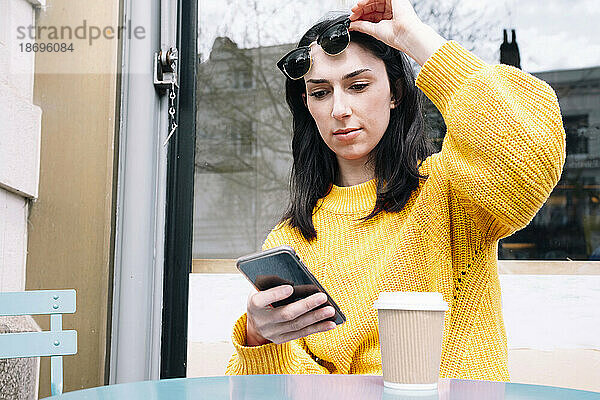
(282, 266)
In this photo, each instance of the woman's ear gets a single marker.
(304, 100)
(397, 96)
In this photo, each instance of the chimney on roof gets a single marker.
(509, 52)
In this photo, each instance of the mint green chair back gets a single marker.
(54, 343)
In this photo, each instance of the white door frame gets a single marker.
(141, 192)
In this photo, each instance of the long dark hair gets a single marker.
(396, 157)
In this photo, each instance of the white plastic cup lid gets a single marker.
(429, 301)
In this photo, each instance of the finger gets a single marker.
(309, 330)
(266, 297)
(308, 319)
(360, 6)
(358, 10)
(374, 17)
(362, 3)
(356, 14)
(367, 27)
(373, 5)
(292, 311)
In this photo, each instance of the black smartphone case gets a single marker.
(282, 266)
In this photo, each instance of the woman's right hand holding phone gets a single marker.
(266, 324)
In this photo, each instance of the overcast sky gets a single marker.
(556, 34)
(551, 34)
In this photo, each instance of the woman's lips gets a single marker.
(348, 135)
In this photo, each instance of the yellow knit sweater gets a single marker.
(502, 155)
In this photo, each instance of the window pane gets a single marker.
(243, 154)
(568, 226)
(243, 140)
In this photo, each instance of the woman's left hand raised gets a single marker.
(395, 23)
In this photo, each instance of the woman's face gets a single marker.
(349, 97)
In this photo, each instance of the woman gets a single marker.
(373, 211)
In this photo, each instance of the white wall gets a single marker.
(20, 130)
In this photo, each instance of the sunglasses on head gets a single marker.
(333, 40)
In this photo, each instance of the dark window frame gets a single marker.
(180, 201)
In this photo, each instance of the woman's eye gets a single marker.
(359, 86)
(318, 94)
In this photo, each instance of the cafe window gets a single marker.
(243, 139)
(568, 225)
(244, 128)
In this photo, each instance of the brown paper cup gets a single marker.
(410, 334)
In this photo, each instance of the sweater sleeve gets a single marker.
(287, 358)
(505, 144)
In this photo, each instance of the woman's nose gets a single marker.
(341, 107)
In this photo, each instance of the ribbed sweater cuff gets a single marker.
(266, 359)
(446, 71)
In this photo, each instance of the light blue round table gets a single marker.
(315, 387)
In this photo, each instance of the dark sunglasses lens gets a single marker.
(335, 39)
(297, 63)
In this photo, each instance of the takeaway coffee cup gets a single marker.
(410, 334)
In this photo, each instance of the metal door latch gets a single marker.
(165, 69)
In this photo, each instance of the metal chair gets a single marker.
(54, 343)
